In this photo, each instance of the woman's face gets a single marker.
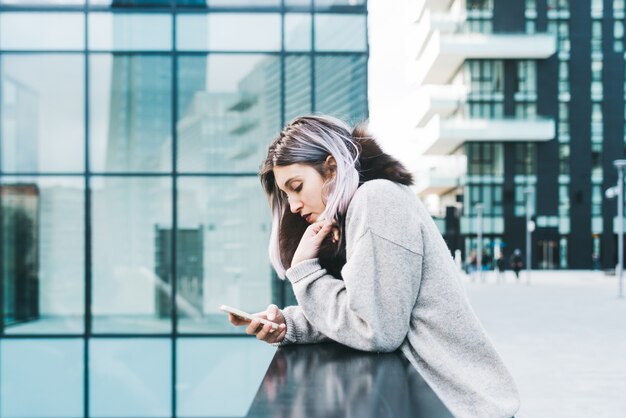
(302, 185)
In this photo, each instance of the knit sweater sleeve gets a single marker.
(370, 309)
(299, 329)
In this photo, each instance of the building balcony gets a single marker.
(428, 101)
(442, 178)
(443, 136)
(444, 53)
(430, 21)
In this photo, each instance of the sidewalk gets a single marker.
(563, 337)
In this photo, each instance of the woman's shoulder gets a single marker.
(386, 208)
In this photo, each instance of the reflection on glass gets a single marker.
(136, 3)
(330, 3)
(225, 381)
(341, 86)
(130, 32)
(42, 31)
(298, 32)
(361, 383)
(42, 113)
(229, 110)
(224, 228)
(130, 113)
(130, 377)
(250, 3)
(128, 214)
(228, 32)
(340, 32)
(297, 86)
(43, 2)
(43, 254)
(41, 378)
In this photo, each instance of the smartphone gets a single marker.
(247, 317)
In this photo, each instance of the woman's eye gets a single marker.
(297, 189)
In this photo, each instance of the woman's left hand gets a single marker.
(311, 240)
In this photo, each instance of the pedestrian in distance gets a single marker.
(368, 266)
(517, 263)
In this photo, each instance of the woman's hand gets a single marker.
(311, 240)
(264, 332)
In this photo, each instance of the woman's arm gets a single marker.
(299, 329)
(370, 309)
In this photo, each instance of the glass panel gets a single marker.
(42, 31)
(228, 32)
(297, 86)
(330, 3)
(300, 3)
(41, 378)
(130, 378)
(225, 381)
(130, 113)
(341, 86)
(43, 254)
(128, 216)
(137, 3)
(130, 32)
(229, 111)
(298, 32)
(43, 126)
(224, 227)
(249, 3)
(340, 32)
(43, 2)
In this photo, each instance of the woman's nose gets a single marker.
(295, 206)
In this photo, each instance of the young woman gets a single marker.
(369, 268)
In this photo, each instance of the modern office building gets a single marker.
(524, 102)
(122, 122)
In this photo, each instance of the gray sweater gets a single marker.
(401, 289)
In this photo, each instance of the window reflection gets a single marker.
(130, 32)
(130, 113)
(228, 32)
(221, 255)
(127, 216)
(42, 113)
(54, 31)
(298, 32)
(136, 373)
(43, 254)
(297, 86)
(229, 110)
(341, 86)
(334, 32)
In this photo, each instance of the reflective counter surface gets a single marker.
(331, 380)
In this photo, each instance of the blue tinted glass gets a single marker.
(341, 86)
(224, 226)
(334, 32)
(297, 86)
(130, 32)
(131, 219)
(42, 31)
(43, 254)
(228, 111)
(130, 113)
(41, 378)
(298, 32)
(219, 377)
(130, 378)
(43, 126)
(228, 32)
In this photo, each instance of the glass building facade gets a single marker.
(130, 208)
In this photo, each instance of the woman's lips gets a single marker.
(307, 217)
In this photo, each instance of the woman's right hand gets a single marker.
(264, 332)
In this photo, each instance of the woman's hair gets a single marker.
(310, 140)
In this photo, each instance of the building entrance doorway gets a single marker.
(547, 254)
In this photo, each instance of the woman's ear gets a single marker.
(330, 167)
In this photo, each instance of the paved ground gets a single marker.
(563, 338)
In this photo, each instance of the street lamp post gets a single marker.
(530, 227)
(479, 238)
(619, 165)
